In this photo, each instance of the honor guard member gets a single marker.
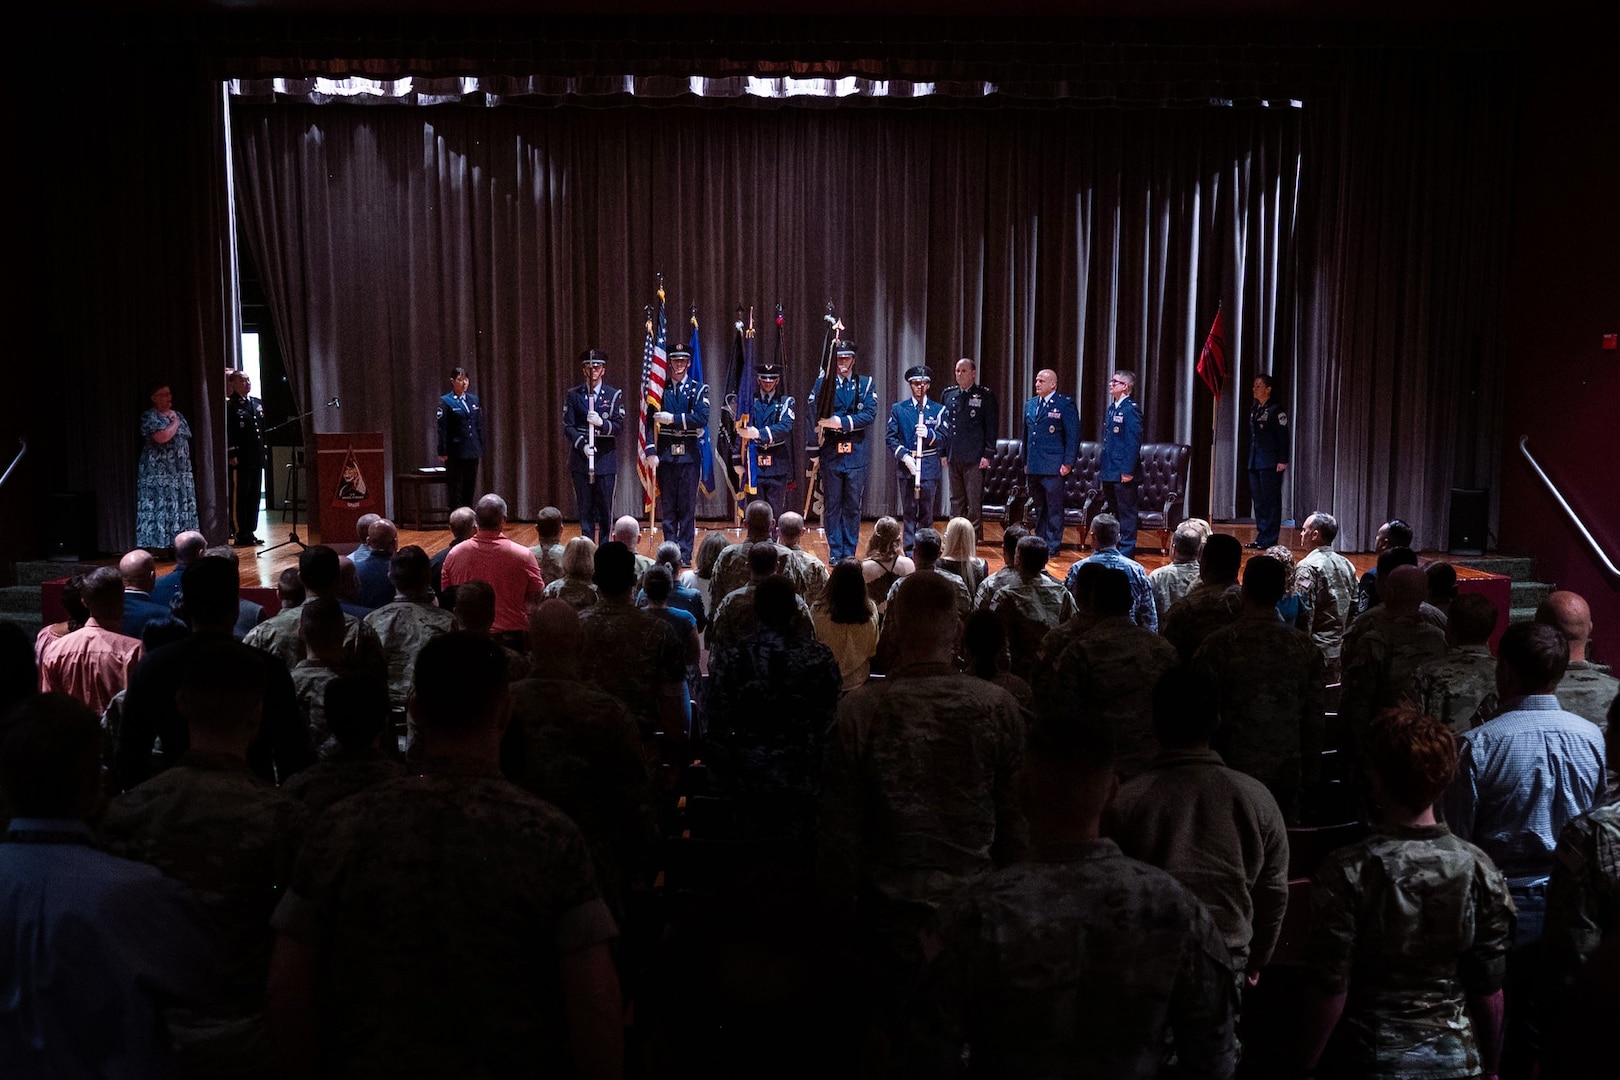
(771, 429)
(972, 423)
(245, 440)
(461, 439)
(840, 442)
(679, 459)
(1122, 456)
(1051, 445)
(915, 422)
(1268, 460)
(593, 413)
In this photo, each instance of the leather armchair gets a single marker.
(1004, 483)
(1164, 483)
(1082, 489)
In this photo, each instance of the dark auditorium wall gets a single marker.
(1563, 389)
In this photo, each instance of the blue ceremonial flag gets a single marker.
(705, 441)
(747, 378)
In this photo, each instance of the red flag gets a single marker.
(1212, 361)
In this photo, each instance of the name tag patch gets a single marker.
(765, 459)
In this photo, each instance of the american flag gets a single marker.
(654, 369)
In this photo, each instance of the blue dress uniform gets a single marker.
(972, 422)
(773, 450)
(594, 500)
(1268, 448)
(1122, 456)
(1051, 440)
(844, 456)
(680, 464)
(461, 444)
(918, 508)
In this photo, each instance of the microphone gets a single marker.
(334, 404)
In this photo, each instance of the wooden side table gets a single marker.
(415, 483)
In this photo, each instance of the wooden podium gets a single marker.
(350, 481)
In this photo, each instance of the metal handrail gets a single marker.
(1569, 511)
(12, 467)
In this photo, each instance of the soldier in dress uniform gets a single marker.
(1122, 455)
(244, 436)
(461, 439)
(679, 426)
(972, 423)
(593, 413)
(913, 422)
(840, 443)
(771, 428)
(1268, 460)
(1051, 444)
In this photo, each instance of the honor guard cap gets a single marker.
(682, 349)
(920, 373)
(593, 356)
(846, 348)
(769, 371)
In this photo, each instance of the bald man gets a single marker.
(1051, 446)
(1587, 689)
(139, 571)
(188, 548)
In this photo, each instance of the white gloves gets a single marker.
(593, 418)
(911, 465)
(750, 432)
(922, 430)
(663, 418)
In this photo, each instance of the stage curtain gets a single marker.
(397, 242)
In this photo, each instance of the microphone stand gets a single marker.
(292, 486)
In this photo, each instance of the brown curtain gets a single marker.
(397, 242)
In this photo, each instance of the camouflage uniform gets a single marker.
(636, 657)
(1408, 923)
(1328, 579)
(808, 574)
(550, 560)
(1453, 687)
(1583, 908)
(771, 700)
(309, 680)
(439, 907)
(1029, 609)
(230, 837)
(964, 598)
(403, 627)
(1380, 666)
(734, 619)
(894, 630)
(278, 636)
(917, 792)
(1170, 583)
(1587, 689)
(340, 775)
(731, 572)
(578, 748)
(1082, 963)
(579, 594)
(1054, 643)
(993, 584)
(1200, 613)
(1378, 615)
(1108, 673)
(1270, 680)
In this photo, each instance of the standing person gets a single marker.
(1328, 581)
(972, 423)
(593, 406)
(1268, 460)
(913, 423)
(165, 493)
(461, 438)
(244, 436)
(1051, 444)
(1122, 456)
(679, 426)
(771, 430)
(840, 443)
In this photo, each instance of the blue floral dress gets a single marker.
(165, 493)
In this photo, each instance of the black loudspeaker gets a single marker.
(1470, 510)
(69, 528)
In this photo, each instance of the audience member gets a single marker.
(1391, 642)
(362, 530)
(97, 948)
(927, 559)
(188, 548)
(656, 586)
(636, 657)
(357, 715)
(734, 616)
(463, 523)
(627, 531)
(320, 627)
(1211, 604)
(807, 572)
(139, 571)
(409, 621)
(475, 615)
(959, 554)
(708, 553)
(95, 661)
(77, 616)
(1392, 534)
(730, 571)
(249, 613)
(1453, 687)
(1177, 577)
(1587, 689)
(319, 568)
(846, 621)
(1105, 551)
(447, 923)
(579, 567)
(1410, 927)
(376, 585)
(681, 598)
(1442, 585)
(1031, 607)
(884, 563)
(1294, 607)
(506, 565)
(1388, 563)
(1328, 581)
(1083, 588)
(229, 836)
(1216, 830)
(1020, 976)
(1007, 573)
(548, 552)
(985, 656)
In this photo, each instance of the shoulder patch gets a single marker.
(1282, 419)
